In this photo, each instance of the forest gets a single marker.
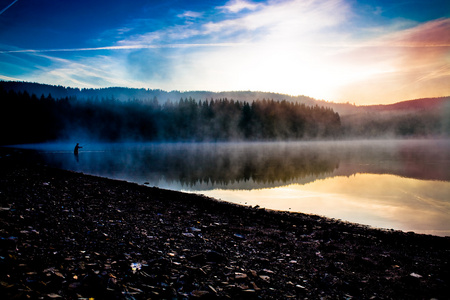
(125, 93)
(26, 118)
(124, 114)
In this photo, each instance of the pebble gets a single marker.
(88, 237)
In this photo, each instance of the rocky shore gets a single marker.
(70, 236)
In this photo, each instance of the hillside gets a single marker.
(123, 93)
(427, 117)
(26, 118)
(417, 104)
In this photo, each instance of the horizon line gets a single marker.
(229, 91)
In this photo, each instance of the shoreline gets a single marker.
(69, 235)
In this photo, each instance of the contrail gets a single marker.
(124, 47)
(8, 6)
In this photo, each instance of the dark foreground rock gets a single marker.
(68, 235)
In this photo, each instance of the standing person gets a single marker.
(75, 151)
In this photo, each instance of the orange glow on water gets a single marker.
(385, 201)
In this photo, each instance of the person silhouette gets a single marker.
(75, 151)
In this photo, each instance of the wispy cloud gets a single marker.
(406, 63)
(275, 46)
(235, 6)
(278, 20)
(91, 72)
(190, 15)
(9, 78)
(297, 47)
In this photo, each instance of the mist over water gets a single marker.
(400, 184)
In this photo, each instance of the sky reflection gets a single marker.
(384, 201)
(399, 184)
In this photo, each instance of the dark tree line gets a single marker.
(26, 118)
(125, 93)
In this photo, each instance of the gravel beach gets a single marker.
(68, 235)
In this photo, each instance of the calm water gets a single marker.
(399, 184)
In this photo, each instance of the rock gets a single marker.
(240, 236)
(213, 256)
(199, 294)
(83, 236)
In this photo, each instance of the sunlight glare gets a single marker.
(374, 199)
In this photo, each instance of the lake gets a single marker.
(392, 184)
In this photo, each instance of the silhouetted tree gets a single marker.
(32, 119)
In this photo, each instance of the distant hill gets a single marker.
(417, 104)
(427, 117)
(28, 118)
(423, 104)
(420, 117)
(123, 93)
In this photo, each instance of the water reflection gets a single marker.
(255, 165)
(194, 166)
(385, 201)
(402, 184)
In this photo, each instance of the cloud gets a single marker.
(273, 47)
(190, 15)
(286, 20)
(276, 48)
(295, 47)
(235, 6)
(9, 78)
(405, 64)
(424, 50)
(430, 34)
(90, 72)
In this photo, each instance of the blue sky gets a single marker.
(338, 50)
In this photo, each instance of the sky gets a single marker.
(362, 52)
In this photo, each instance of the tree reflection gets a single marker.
(257, 165)
(228, 164)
